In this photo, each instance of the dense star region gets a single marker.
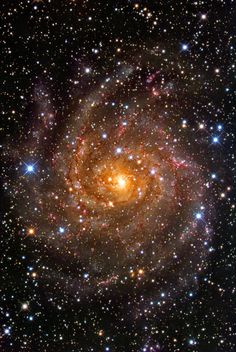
(118, 173)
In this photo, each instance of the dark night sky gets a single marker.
(118, 176)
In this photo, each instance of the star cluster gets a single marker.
(118, 176)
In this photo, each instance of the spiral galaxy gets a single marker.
(129, 197)
(118, 171)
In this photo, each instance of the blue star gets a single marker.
(61, 229)
(119, 150)
(7, 331)
(215, 139)
(184, 47)
(30, 168)
(192, 342)
(198, 216)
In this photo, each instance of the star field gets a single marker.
(118, 176)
